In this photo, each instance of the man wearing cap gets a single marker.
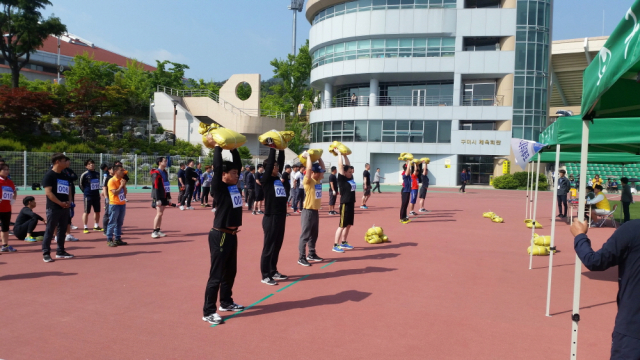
(310, 219)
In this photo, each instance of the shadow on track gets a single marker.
(35, 275)
(336, 299)
(546, 267)
(348, 272)
(390, 245)
(159, 242)
(584, 307)
(366, 257)
(116, 255)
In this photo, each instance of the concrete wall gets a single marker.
(186, 124)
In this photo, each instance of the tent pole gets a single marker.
(526, 204)
(553, 225)
(535, 210)
(531, 192)
(575, 317)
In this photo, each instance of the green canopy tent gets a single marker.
(610, 83)
(610, 90)
(566, 134)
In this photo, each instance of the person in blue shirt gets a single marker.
(198, 189)
(90, 185)
(464, 178)
(622, 249)
(406, 192)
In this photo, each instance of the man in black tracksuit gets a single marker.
(622, 249)
(191, 176)
(275, 217)
(564, 186)
(223, 241)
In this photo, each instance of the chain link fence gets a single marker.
(28, 168)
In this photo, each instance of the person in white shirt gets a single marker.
(299, 186)
(293, 197)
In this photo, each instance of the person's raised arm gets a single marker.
(346, 160)
(424, 168)
(340, 165)
(268, 169)
(307, 174)
(321, 163)
(611, 253)
(281, 161)
(237, 162)
(407, 171)
(216, 182)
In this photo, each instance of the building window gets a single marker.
(478, 4)
(399, 131)
(432, 93)
(481, 44)
(384, 48)
(479, 94)
(369, 5)
(477, 125)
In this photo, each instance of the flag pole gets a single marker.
(553, 226)
(526, 204)
(535, 210)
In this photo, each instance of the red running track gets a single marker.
(449, 285)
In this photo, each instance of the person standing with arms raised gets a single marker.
(310, 219)
(56, 188)
(406, 192)
(347, 203)
(425, 186)
(275, 217)
(333, 191)
(223, 238)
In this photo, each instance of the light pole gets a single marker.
(151, 105)
(175, 112)
(296, 6)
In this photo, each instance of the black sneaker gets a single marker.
(302, 261)
(314, 257)
(63, 255)
(254, 213)
(278, 276)
(261, 212)
(47, 258)
(232, 307)
(269, 281)
(112, 244)
(120, 242)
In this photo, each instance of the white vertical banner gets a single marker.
(524, 150)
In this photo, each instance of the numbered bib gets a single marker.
(95, 184)
(63, 187)
(7, 193)
(318, 189)
(353, 185)
(121, 196)
(167, 187)
(236, 198)
(280, 192)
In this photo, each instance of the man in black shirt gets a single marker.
(366, 186)
(191, 176)
(57, 189)
(275, 218)
(622, 249)
(182, 183)
(90, 185)
(333, 191)
(257, 209)
(223, 241)
(286, 181)
(347, 188)
(27, 221)
(425, 186)
(250, 183)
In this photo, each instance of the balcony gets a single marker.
(467, 100)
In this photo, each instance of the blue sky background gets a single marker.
(218, 38)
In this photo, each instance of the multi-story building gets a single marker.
(452, 80)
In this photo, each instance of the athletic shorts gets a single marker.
(423, 192)
(347, 213)
(161, 202)
(367, 192)
(91, 202)
(5, 219)
(414, 196)
(332, 198)
(259, 195)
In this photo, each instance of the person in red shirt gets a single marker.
(7, 197)
(415, 175)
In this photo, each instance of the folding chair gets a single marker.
(608, 216)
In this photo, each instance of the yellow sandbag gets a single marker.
(497, 219)
(538, 225)
(542, 240)
(385, 238)
(373, 239)
(489, 214)
(227, 139)
(338, 147)
(405, 156)
(281, 139)
(378, 230)
(371, 231)
(538, 250)
(527, 221)
(426, 160)
(314, 154)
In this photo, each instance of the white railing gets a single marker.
(408, 101)
(215, 97)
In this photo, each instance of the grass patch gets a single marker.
(634, 210)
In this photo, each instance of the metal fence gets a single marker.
(28, 168)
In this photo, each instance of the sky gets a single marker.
(219, 38)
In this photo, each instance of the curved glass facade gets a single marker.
(370, 5)
(385, 48)
(531, 78)
(401, 131)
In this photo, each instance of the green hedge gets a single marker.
(518, 180)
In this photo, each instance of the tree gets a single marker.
(301, 128)
(168, 77)
(212, 86)
(24, 31)
(84, 100)
(87, 70)
(244, 152)
(21, 108)
(138, 84)
(294, 72)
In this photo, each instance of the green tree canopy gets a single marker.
(172, 78)
(24, 31)
(87, 70)
(294, 73)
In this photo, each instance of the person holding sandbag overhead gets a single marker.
(223, 238)
(347, 186)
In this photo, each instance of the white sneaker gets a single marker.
(161, 234)
(190, 208)
(155, 235)
(70, 238)
(55, 239)
(213, 319)
(73, 227)
(181, 207)
(213, 210)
